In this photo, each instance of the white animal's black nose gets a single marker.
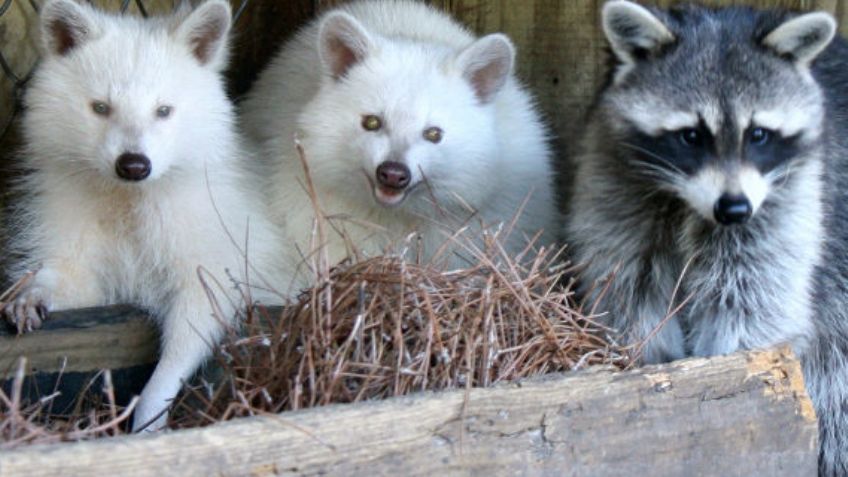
(394, 175)
(732, 209)
(132, 167)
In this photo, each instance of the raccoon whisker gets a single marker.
(653, 155)
(651, 170)
(780, 175)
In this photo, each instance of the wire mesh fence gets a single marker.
(17, 69)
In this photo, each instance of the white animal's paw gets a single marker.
(28, 311)
(150, 418)
(158, 424)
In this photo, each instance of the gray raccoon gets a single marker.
(716, 150)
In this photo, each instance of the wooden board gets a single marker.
(745, 414)
(82, 340)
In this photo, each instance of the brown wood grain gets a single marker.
(82, 340)
(738, 415)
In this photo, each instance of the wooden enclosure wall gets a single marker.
(561, 49)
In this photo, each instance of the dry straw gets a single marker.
(96, 414)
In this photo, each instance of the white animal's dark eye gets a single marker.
(371, 122)
(163, 112)
(691, 137)
(100, 108)
(760, 136)
(433, 135)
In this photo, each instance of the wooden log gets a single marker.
(744, 414)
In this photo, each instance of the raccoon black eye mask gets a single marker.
(686, 150)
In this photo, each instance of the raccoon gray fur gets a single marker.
(713, 165)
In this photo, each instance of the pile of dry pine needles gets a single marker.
(385, 327)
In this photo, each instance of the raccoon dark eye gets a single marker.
(433, 135)
(690, 137)
(760, 136)
(100, 108)
(163, 112)
(371, 123)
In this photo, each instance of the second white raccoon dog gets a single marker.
(134, 180)
(408, 123)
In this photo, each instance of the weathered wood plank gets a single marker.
(89, 339)
(745, 414)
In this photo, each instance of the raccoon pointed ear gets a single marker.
(802, 38)
(342, 43)
(205, 31)
(65, 24)
(487, 64)
(633, 31)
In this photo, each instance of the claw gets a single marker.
(42, 311)
(27, 312)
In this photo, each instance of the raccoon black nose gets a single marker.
(393, 175)
(732, 209)
(132, 167)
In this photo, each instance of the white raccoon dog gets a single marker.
(716, 156)
(409, 124)
(133, 186)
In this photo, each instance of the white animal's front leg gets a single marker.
(189, 333)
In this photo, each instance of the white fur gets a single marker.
(644, 116)
(790, 121)
(703, 190)
(415, 68)
(752, 185)
(101, 240)
(655, 115)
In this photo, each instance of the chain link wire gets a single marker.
(19, 79)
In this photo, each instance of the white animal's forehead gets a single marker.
(407, 86)
(136, 61)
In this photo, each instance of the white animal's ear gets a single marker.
(342, 43)
(65, 25)
(633, 31)
(487, 64)
(205, 31)
(802, 38)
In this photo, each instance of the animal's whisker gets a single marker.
(653, 155)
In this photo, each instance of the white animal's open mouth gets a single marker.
(389, 196)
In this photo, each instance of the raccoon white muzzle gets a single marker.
(726, 196)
